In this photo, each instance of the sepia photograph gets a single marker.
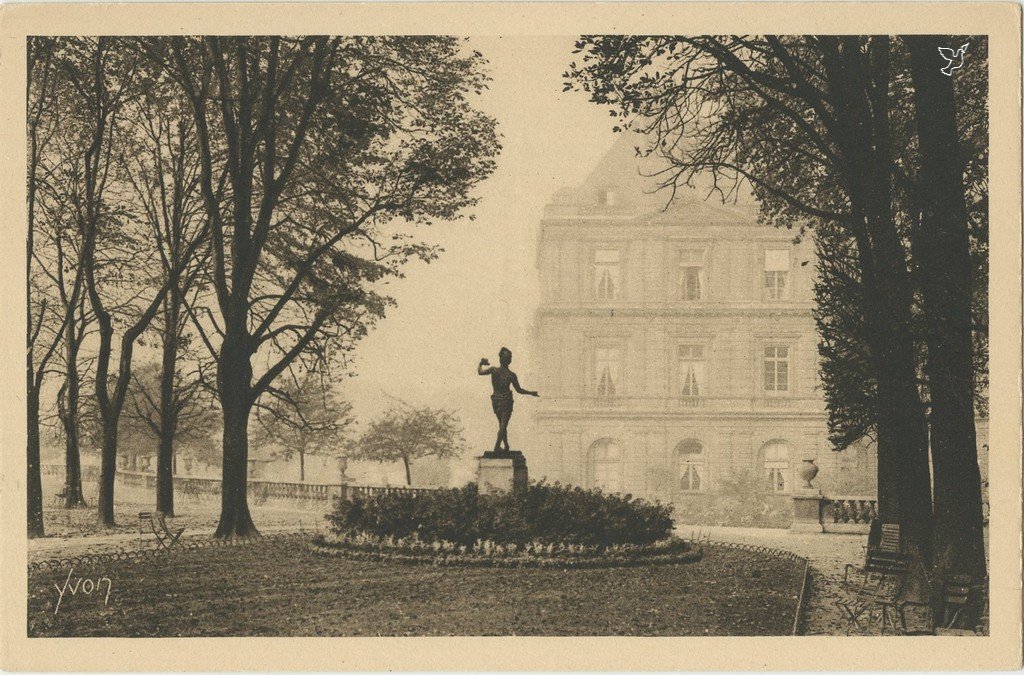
(463, 333)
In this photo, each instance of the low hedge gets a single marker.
(539, 514)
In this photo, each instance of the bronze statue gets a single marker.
(501, 399)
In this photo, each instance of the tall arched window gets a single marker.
(605, 463)
(690, 458)
(775, 455)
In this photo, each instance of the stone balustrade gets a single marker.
(814, 512)
(260, 490)
(350, 491)
(850, 510)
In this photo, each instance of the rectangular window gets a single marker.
(607, 274)
(691, 275)
(776, 368)
(689, 477)
(776, 272)
(691, 371)
(607, 372)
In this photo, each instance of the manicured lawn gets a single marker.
(280, 588)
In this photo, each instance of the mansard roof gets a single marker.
(625, 186)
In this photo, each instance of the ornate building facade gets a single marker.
(677, 350)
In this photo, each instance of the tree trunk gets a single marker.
(234, 379)
(165, 474)
(302, 465)
(904, 482)
(408, 472)
(34, 484)
(168, 407)
(108, 465)
(943, 247)
(69, 420)
(858, 85)
(110, 413)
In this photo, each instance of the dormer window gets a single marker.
(606, 197)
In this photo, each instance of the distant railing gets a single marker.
(349, 491)
(89, 471)
(260, 490)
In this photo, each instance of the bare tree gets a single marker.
(409, 433)
(41, 305)
(309, 149)
(162, 168)
(55, 257)
(188, 417)
(303, 416)
(104, 74)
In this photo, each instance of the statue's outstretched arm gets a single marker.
(480, 370)
(524, 392)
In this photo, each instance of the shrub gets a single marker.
(539, 513)
(739, 501)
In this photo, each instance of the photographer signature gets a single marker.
(85, 585)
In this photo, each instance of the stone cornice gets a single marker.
(695, 310)
(621, 416)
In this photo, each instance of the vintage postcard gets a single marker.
(485, 336)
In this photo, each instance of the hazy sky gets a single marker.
(483, 291)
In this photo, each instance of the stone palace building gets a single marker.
(676, 351)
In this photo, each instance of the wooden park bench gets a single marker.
(878, 584)
(156, 524)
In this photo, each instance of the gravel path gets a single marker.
(75, 532)
(828, 554)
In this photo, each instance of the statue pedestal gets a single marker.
(501, 471)
(807, 511)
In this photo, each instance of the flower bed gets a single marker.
(412, 550)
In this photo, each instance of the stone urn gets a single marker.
(808, 470)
